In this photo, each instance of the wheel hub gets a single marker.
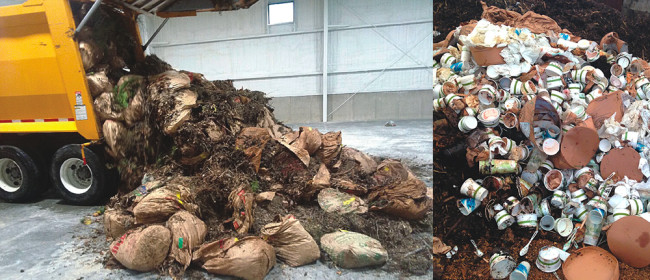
(11, 177)
(76, 176)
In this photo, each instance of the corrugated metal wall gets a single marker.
(365, 37)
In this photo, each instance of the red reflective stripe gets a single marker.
(38, 120)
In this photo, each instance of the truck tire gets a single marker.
(19, 175)
(78, 183)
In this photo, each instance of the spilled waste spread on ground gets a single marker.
(541, 141)
(209, 178)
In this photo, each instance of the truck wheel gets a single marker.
(18, 175)
(78, 183)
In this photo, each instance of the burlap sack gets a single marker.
(367, 164)
(104, 107)
(390, 171)
(242, 204)
(188, 233)
(333, 201)
(160, 204)
(116, 223)
(98, 83)
(292, 243)
(309, 139)
(351, 250)
(143, 249)
(252, 141)
(249, 258)
(406, 199)
(91, 54)
(331, 147)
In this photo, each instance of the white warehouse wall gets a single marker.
(367, 41)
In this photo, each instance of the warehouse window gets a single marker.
(280, 13)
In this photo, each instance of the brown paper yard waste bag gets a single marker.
(188, 233)
(389, 171)
(242, 203)
(143, 249)
(162, 203)
(292, 243)
(406, 199)
(351, 250)
(366, 163)
(249, 258)
(116, 223)
(309, 139)
(98, 83)
(331, 147)
(333, 201)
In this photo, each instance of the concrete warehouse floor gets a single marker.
(46, 239)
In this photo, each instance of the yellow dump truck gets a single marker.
(48, 128)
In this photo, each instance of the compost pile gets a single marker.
(540, 137)
(208, 176)
(585, 18)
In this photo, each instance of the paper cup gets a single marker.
(515, 87)
(554, 82)
(447, 60)
(487, 95)
(593, 227)
(529, 88)
(616, 70)
(501, 265)
(554, 69)
(551, 146)
(563, 226)
(490, 117)
(502, 95)
(532, 177)
(578, 196)
(512, 103)
(579, 76)
(617, 82)
(523, 187)
(467, 124)
(438, 104)
(580, 111)
(623, 60)
(547, 223)
(504, 219)
(527, 220)
(599, 203)
(467, 205)
(521, 271)
(471, 111)
(575, 88)
(636, 206)
(546, 166)
(437, 91)
(604, 145)
(559, 199)
(640, 82)
(620, 213)
(548, 259)
(472, 189)
(466, 82)
(581, 213)
(547, 179)
(450, 97)
(593, 95)
(509, 144)
(510, 120)
(557, 96)
(642, 94)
